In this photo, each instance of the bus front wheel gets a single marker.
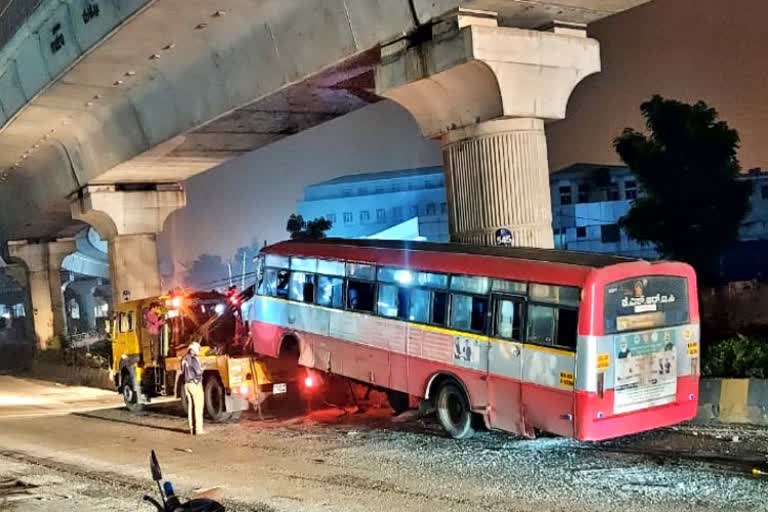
(453, 411)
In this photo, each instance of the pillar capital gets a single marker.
(115, 210)
(42, 256)
(473, 71)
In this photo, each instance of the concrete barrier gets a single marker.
(733, 401)
(72, 375)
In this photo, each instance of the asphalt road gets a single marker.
(65, 448)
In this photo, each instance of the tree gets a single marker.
(206, 271)
(687, 167)
(307, 230)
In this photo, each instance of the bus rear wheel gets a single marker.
(453, 411)
(215, 405)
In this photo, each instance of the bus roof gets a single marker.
(540, 265)
(582, 259)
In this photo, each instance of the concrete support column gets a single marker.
(129, 219)
(84, 290)
(43, 262)
(497, 177)
(485, 92)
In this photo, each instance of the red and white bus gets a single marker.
(583, 345)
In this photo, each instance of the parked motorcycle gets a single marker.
(169, 502)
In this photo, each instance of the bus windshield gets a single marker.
(645, 303)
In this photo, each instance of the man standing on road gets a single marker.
(193, 388)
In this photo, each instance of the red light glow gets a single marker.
(309, 382)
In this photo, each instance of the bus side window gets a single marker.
(508, 319)
(418, 310)
(567, 327)
(275, 283)
(360, 295)
(394, 301)
(439, 308)
(302, 287)
(330, 292)
(541, 324)
(468, 312)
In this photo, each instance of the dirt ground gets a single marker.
(337, 460)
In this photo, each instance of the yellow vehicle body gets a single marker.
(147, 362)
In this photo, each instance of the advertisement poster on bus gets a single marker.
(646, 370)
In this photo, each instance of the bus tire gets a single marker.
(131, 395)
(398, 401)
(453, 411)
(215, 406)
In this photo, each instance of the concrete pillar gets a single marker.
(485, 92)
(43, 262)
(83, 290)
(129, 219)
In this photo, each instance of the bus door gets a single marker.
(549, 367)
(505, 363)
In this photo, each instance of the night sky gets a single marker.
(686, 49)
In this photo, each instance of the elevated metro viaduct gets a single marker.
(107, 106)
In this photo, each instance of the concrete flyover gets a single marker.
(107, 105)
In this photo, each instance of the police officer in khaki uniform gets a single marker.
(193, 388)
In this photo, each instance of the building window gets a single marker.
(764, 191)
(380, 189)
(347, 192)
(583, 191)
(361, 191)
(613, 192)
(331, 217)
(610, 233)
(581, 232)
(630, 189)
(414, 210)
(397, 213)
(565, 195)
(443, 208)
(365, 216)
(381, 215)
(347, 217)
(395, 187)
(431, 209)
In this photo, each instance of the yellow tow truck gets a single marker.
(150, 337)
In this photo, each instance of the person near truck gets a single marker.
(193, 388)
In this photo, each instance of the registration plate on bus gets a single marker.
(278, 389)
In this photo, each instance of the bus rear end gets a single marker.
(638, 350)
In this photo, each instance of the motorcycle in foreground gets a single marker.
(169, 502)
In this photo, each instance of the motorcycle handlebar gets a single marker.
(154, 502)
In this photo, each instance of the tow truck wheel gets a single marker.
(453, 411)
(184, 401)
(130, 395)
(215, 407)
